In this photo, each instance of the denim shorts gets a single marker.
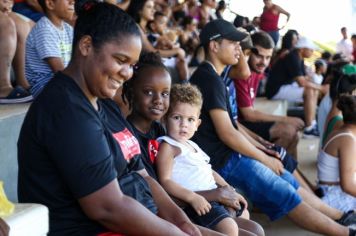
(274, 195)
(216, 214)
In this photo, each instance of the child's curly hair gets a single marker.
(185, 93)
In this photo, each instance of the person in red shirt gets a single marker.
(353, 40)
(282, 130)
(270, 17)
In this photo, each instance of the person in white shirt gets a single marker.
(344, 46)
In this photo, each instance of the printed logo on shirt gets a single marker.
(252, 93)
(153, 146)
(128, 143)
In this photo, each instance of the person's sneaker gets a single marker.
(311, 133)
(17, 95)
(348, 219)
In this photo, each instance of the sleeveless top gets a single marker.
(269, 21)
(330, 127)
(328, 165)
(191, 169)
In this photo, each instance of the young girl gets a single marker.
(336, 161)
(148, 95)
(183, 167)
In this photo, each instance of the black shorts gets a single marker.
(289, 163)
(260, 128)
(216, 214)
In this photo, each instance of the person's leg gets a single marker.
(285, 135)
(23, 28)
(290, 92)
(275, 36)
(274, 195)
(7, 51)
(227, 226)
(308, 218)
(303, 181)
(277, 196)
(249, 226)
(319, 205)
(310, 97)
(208, 232)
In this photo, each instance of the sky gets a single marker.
(319, 20)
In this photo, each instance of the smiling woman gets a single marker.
(77, 156)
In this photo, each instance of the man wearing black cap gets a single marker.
(260, 177)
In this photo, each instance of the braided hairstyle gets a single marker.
(147, 60)
(103, 22)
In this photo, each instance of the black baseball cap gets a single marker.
(220, 28)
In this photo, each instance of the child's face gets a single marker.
(193, 26)
(182, 121)
(63, 9)
(151, 90)
(6, 5)
(160, 23)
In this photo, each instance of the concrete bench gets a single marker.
(274, 107)
(11, 118)
(28, 220)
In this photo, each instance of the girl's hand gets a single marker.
(200, 204)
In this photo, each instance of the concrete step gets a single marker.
(11, 118)
(28, 220)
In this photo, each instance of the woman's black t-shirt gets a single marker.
(68, 150)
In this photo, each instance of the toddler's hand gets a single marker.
(200, 205)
